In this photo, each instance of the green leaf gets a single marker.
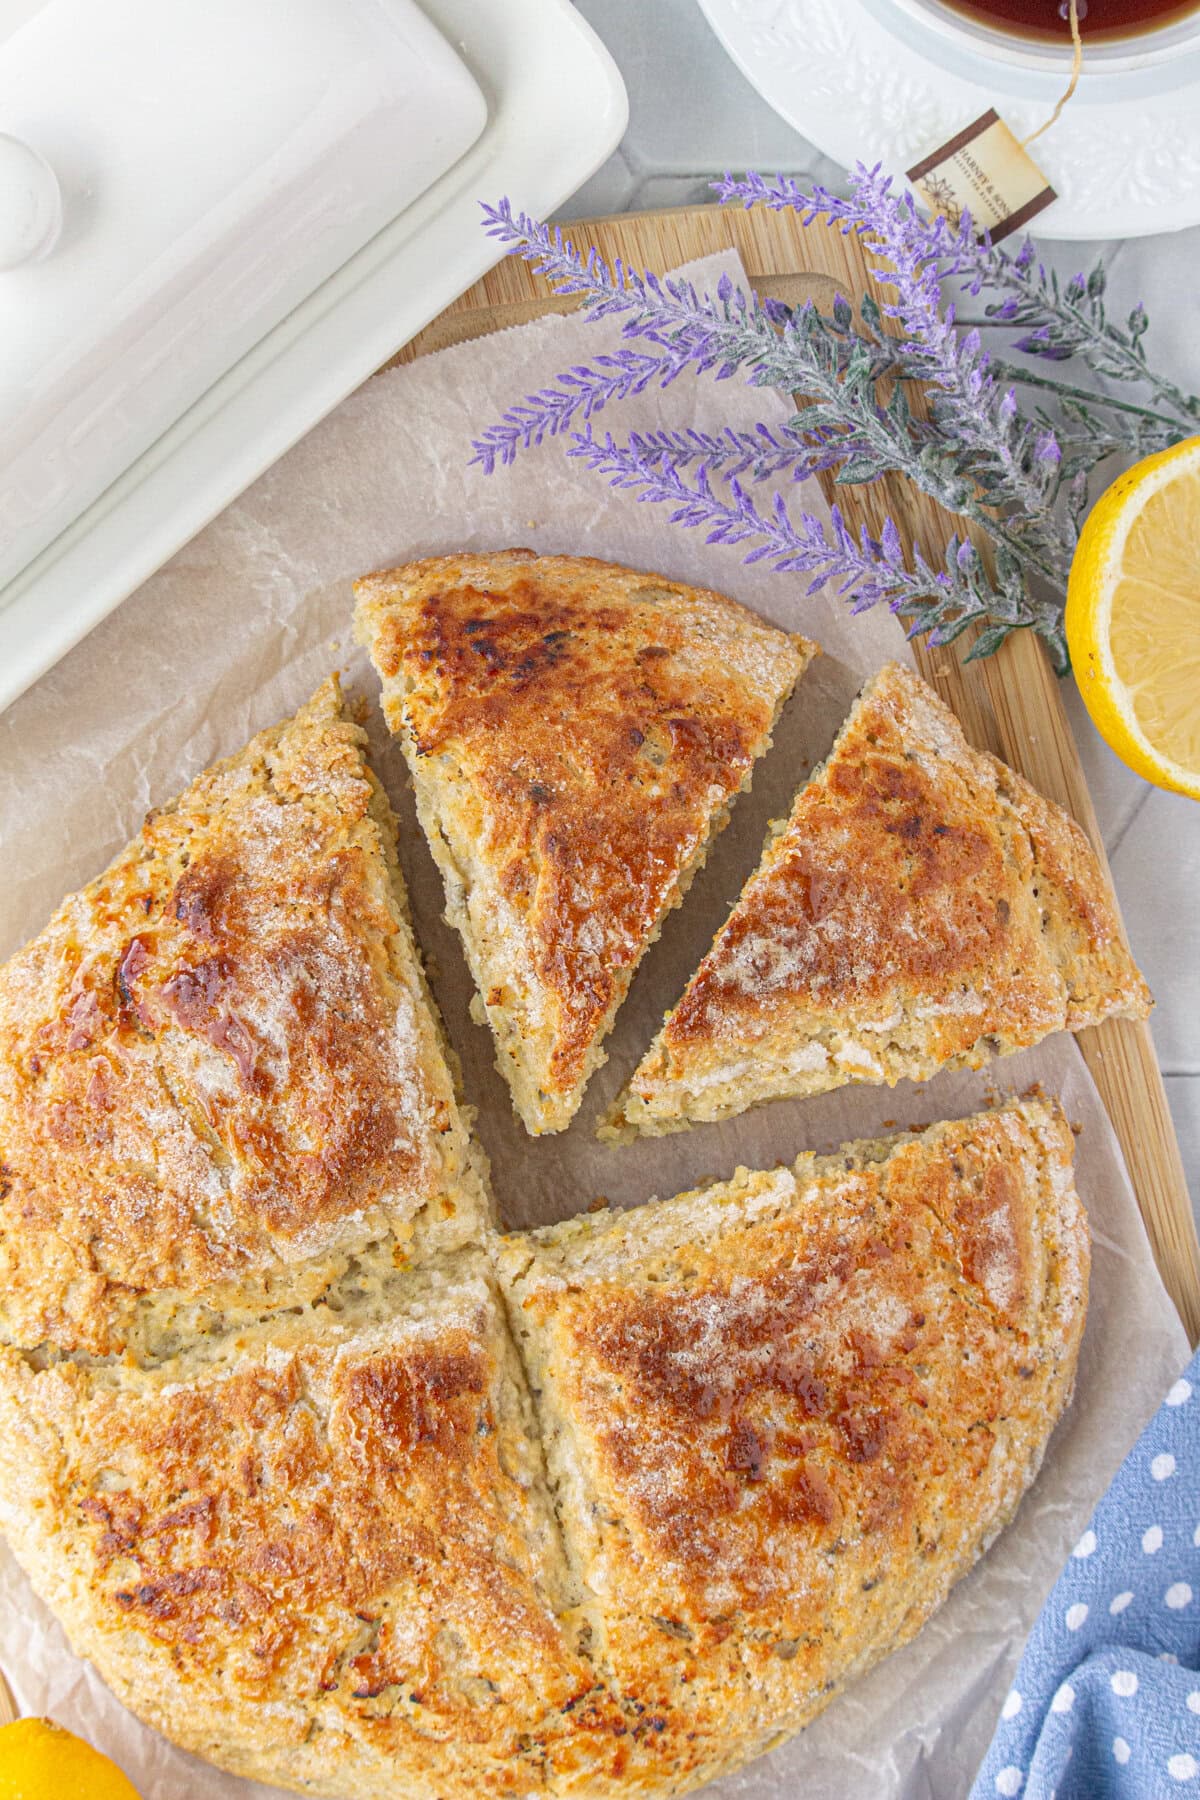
(988, 642)
(856, 469)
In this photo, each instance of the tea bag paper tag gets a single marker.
(983, 170)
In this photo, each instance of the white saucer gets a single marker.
(872, 80)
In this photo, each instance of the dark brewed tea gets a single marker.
(1098, 19)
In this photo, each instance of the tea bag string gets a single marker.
(1076, 65)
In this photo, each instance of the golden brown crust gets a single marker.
(1082, 926)
(922, 907)
(324, 1548)
(783, 1415)
(218, 1068)
(575, 731)
(324, 1554)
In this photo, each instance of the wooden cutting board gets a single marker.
(1010, 704)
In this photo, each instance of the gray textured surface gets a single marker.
(692, 115)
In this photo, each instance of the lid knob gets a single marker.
(30, 204)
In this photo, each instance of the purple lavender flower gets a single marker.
(869, 571)
(1022, 477)
(583, 390)
(997, 446)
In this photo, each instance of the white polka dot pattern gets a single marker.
(1105, 1704)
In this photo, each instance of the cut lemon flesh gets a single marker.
(1133, 617)
(39, 1760)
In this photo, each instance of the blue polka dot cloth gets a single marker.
(1106, 1702)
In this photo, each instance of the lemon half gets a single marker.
(1133, 617)
(39, 1760)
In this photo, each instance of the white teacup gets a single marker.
(1143, 49)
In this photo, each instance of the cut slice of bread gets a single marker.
(576, 734)
(922, 908)
(220, 1073)
(783, 1414)
(319, 1551)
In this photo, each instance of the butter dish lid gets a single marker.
(174, 181)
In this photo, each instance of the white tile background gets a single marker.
(693, 115)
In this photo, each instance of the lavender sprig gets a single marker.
(1013, 461)
(844, 424)
(717, 334)
(1022, 476)
(938, 602)
(1158, 426)
(724, 331)
(1084, 440)
(1062, 320)
(583, 390)
(763, 454)
(730, 330)
(556, 257)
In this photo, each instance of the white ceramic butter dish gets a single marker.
(219, 216)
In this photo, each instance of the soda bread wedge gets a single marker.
(220, 1073)
(783, 1414)
(576, 733)
(319, 1551)
(922, 908)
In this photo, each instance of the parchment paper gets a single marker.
(236, 632)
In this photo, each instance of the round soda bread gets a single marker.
(344, 1489)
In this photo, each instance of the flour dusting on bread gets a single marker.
(922, 908)
(577, 733)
